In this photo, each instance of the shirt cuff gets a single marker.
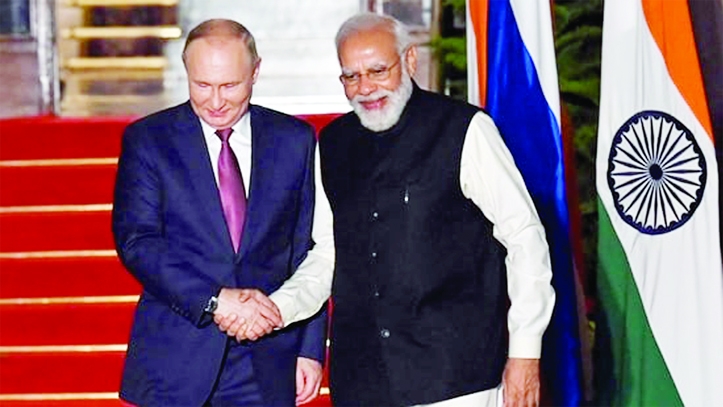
(285, 305)
(525, 347)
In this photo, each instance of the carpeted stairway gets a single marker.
(66, 302)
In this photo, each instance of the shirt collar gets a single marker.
(242, 127)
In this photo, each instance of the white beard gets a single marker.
(383, 119)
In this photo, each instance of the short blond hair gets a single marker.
(220, 27)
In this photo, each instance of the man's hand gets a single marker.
(521, 383)
(308, 380)
(246, 313)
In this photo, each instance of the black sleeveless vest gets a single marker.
(419, 294)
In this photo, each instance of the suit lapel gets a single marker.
(193, 151)
(260, 142)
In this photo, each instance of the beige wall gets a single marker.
(295, 39)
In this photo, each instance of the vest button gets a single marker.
(374, 255)
(377, 294)
(375, 215)
(384, 333)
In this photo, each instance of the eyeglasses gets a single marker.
(375, 74)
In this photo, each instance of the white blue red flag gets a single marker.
(512, 74)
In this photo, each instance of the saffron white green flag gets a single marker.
(660, 280)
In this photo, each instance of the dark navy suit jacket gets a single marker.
(171, 235)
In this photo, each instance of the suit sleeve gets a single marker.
(170, 274)
(304, 295)
(313, 341)
(308, 289)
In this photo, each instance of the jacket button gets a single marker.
(374, 255)
(384, 333)
(375, 215)
(377, 294)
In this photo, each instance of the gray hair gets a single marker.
(223, 28)
(369, 21)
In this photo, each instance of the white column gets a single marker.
(43, 13)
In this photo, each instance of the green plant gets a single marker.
(578, 45)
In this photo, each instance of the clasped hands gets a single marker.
(246, 313)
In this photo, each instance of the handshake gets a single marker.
(246, 313)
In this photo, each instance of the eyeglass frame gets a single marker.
(381, 74)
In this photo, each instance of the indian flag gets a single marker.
(660, 280)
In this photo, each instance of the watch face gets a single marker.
(212, 305)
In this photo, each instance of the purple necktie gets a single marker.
(231, 187)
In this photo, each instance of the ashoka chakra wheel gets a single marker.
(656, 172)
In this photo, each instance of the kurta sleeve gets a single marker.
(490, 178)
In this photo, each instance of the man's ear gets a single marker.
(410, 59)
(257, 67)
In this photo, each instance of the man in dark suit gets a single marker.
(219, 213)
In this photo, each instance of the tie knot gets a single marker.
(224, 134)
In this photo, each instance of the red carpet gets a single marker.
(69, 184)
(81, 372)
(66, 303)
(65, 277)
(47, 325)
(69, 231)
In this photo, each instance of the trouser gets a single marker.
(236, 384)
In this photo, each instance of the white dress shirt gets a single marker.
(303, 294)
(489, 177)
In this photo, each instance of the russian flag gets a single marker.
(512, 74)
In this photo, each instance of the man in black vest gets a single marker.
(442, 284)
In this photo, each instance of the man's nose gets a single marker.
(366, 85)
(217, 100)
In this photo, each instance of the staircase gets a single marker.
(108, 64)
(112, 54)
(66, 303)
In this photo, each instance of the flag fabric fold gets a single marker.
(512, 74)
(660, 282)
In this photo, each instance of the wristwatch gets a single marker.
(211, 305)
